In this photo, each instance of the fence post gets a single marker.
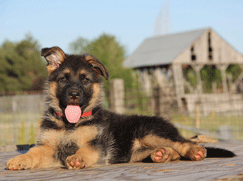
(14, 111)
(197, 116)
(117, 96)
(156, 95)
(163, 101)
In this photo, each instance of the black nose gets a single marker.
(74, 94)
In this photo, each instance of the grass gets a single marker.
(18, 129)
(137, 103)
(212, 123)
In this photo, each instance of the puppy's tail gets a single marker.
(219, 153)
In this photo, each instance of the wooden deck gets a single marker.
(208, 169)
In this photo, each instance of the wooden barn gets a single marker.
(166, 60)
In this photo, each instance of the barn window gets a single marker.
(193, 56)
(210, 49)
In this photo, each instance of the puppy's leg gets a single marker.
(190, 150)
(158, 155)
(143, 148)
(36, 157)
(184, 147)
(84, 157)
(140, 154)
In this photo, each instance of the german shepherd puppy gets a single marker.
(77, 132)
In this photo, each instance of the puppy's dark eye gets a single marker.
(63, 79)
(84, 79)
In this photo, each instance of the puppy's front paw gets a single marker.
(75, 162)
(20, 162)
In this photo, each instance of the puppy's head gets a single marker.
(75, 83)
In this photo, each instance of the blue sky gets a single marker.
(59, 22)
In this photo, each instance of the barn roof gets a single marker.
(161, 50)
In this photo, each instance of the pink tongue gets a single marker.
(73, 113)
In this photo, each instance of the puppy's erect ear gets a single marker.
(98, 67)
(54, 57)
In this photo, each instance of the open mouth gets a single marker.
(73, 113)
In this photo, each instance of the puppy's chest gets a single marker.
(66, 143)
(65, 138)
(81, 136)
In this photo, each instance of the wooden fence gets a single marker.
(214, 115)
(210, 115)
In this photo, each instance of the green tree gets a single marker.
(190, 75)
(21, 65)
(235, 70)
(210, 74)
(8, 70)
(111, 54)
(79, 46)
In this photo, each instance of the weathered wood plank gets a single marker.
(208, 169)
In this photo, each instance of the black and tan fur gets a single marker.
(103, 137)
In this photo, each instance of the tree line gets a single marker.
(23, 69)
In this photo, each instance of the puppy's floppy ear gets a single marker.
(98, 67)
(54, 57)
